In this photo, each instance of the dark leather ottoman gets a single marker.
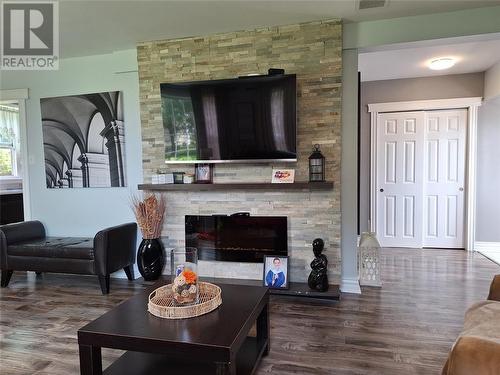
(24, 247)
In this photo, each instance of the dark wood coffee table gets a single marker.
(215, 343)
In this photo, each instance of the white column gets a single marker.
(115, 136)
(95, 170)
(75, 177)
(64, 182)
(349, 188)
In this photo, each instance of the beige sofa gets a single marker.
(477, 349)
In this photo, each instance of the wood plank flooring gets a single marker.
(406, 327)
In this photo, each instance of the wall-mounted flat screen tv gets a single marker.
(250, 119)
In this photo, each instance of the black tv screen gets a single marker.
(244, 119)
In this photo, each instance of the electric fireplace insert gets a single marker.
(237, 238)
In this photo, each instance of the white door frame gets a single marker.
(471, 104)
(20, 96)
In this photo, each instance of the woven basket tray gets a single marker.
(162, 304)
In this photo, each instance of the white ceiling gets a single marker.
(95, 27)
(410, 62)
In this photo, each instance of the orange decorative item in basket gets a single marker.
(184, 268)
(190, 276)
(185, 288)
(163, 304)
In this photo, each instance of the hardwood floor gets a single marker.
(406, 327)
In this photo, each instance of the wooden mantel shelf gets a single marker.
(327, 185)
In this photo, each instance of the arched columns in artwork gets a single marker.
(64, 183)
(115, 143)
(95, 170)
(75, 177)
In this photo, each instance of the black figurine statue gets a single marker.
(318, 279)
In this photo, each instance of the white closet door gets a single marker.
(444, 178)
(400, 145)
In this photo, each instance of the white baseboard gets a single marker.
(350, 285)
(481, 245)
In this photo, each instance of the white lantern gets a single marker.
(369, 260)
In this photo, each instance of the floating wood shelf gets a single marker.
(327, 185)
(303, 290)
(295, 289)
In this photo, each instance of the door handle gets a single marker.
(461, 189)
(381, 190)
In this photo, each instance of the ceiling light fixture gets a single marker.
(442, 63)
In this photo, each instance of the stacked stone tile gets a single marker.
(312, 51)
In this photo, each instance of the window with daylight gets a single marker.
(9, 140)
(180, 129)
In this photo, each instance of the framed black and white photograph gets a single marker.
(84, 140)
(276, 272)
(203, 173)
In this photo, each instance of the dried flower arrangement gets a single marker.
(149, 211)
(185, 287)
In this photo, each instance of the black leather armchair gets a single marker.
(24, 247)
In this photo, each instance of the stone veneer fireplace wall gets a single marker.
(313, 52)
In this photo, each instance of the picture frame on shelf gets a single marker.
(203, 173)
(283, 176)
(275, 272)
(178, 177)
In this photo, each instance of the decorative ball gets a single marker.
(180, 280)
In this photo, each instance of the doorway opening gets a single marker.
(419, 141)
(11, 164)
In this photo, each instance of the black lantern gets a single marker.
(316, 166)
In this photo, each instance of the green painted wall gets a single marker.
(432, 26)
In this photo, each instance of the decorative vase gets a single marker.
(318, 278)
(184, 270)
(150, 258)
